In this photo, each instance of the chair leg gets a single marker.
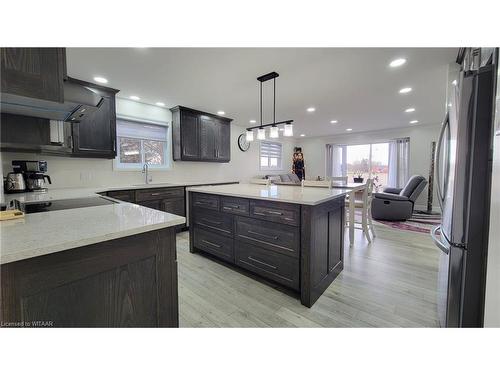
(370, 224)
(364, 223)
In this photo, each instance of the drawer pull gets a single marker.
(203, 202)
(211, 243)
(261, 262)
(275, 212)
(263, 235)
(154, 194)
(231, 206)
(211, 222)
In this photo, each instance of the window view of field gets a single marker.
(369, 161)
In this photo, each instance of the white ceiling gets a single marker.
(352, 85)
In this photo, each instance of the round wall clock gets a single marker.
(243, 144)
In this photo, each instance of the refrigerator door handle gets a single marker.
(438, 160)
(443, 247)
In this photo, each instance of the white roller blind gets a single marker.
(270, 149)
(132, 129)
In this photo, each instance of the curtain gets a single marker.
(399, 162)
(336, 160)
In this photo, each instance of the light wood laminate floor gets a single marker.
(388, 283)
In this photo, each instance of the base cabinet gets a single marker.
(127, 282)
(296, 246)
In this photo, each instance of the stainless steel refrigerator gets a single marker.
(463, 175)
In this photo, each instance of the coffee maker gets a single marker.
(33, 172)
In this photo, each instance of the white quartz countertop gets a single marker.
(69, 193)
(279, 193)
(48, 232)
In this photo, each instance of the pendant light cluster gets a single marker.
(273, 131)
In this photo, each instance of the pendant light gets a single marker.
(261, 134)
(288, 130)
(249, 135)
(274, 131)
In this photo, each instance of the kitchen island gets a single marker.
(109, 265)
(291, 235)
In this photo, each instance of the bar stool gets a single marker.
(364, 204)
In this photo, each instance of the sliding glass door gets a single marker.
(368, 161)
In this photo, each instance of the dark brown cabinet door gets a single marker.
(155, 205)
(200, 136)
(95, 135)
(174, 206)
(33, 72)
(190, 136)
(208, 138)
(223, 141)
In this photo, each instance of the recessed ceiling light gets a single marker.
(414, 122)
(397, 62)
(348, 130)
(221, 113)
(333, 122)
(454, 82)
(405, 90)
(100, 79)
(302, 135)
(160, 104)
(133, 97)
(252, 121)
(311, 109)
(449, 104)
(408, 110)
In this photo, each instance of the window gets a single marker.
(369, 161)
(271, 155)
(139, 143)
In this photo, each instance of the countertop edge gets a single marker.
(28, 254)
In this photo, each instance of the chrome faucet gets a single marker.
(145, 169)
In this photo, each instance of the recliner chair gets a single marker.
(397, 204)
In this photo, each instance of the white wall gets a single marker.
(492, 299)
(77, 172)
(420, 150)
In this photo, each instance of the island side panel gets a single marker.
(322, 247)
(127, 282)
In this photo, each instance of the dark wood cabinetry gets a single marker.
(171, 200)
(297, 246)
(127, 282)
(95, 135)
(200, 136)
(33, 72)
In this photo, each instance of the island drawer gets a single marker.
(213, 221)
(122, 195)
(215, 244)
(277, 267)
(211, 202)
(274, 211)
(155, 194)
(233, 205)
(272, 236)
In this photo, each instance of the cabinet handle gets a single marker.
(275, 213)
(211, 222)
(211, 243)
(262, 235)
(263, 263)
(155, 194)
(230, 206)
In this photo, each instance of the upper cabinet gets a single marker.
(95, 135)
(33, 72)
(200, 136)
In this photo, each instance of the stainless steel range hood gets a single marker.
(79, 101)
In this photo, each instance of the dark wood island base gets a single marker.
(294, 245)
(126, 282)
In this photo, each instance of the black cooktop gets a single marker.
(64, 204)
